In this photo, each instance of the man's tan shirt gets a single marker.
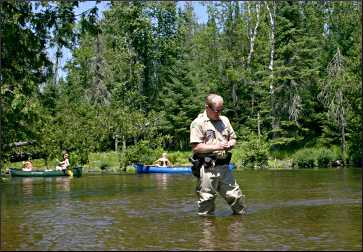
(204, 130)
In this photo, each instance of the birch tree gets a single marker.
(252, 30)
(272, 16)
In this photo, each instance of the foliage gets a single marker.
(289, 71)
(316, 157)
(326, 157)
(144, 151)
(252, 153)
(180, 157)
(304, 158)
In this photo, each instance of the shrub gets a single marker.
(305, 158)
(325, 157)
(252, 154)
(74, 159)
(180, 157)
(141, 152)
(320, 157)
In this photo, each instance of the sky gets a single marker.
(199, 9)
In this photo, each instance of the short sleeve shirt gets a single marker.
(65, 164)
(204, 130)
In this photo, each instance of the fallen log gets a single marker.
(23, 156)
(19, 144)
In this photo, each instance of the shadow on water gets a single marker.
(299, 210)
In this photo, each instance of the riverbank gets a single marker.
(108, 162)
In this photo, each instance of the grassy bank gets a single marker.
(244, 157)
(109, 161)
(102, 162)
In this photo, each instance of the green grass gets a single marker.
(38, 164)
(179, 157)
(105, 160)
(109, 161)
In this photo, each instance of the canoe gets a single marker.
(77, 172)
(140, 168)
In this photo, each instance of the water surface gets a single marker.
(288, 210)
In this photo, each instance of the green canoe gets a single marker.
(77, 172)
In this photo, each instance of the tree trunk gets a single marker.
(116, 143)
(123, 144)
(46, 163)
(272, 34)
(342, 122)
(272, 15)
(252, 103)
(343, 144)
(58, 54)
(234, 96)
(253, 33)
(98, 63)
(258, 127)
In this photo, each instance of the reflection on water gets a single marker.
(216, 232)
(63, 183)
(209, 232)
(162, 180)
(288, 210)
(49, 184)
(27, 186)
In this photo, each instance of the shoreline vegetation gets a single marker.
(109, 162)
(289, 73)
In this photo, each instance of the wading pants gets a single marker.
(218, 179)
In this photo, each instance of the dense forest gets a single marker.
(289, 72)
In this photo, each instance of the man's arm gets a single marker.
(207, 148)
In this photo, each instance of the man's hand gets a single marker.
(208, 148)
(228, 145)
(224, 146)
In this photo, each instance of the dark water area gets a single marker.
(287, 210)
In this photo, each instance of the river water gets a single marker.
(287, 210)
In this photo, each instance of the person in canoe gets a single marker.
(212, 138)
(63, 165)
(27, 165)
(163, 161)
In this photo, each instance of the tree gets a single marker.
(24, 67)
(296, 70)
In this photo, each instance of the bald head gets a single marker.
(213, 106)
(212, 99)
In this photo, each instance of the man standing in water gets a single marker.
(212, 138)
